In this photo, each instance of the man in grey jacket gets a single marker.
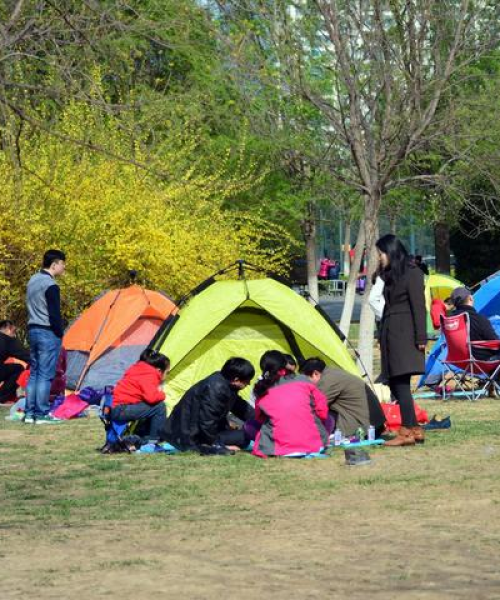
(350, 400)
(45, 335)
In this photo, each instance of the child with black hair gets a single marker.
(292, 412)
(200, 417)
(138, 396)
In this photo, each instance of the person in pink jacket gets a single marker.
(292, 412)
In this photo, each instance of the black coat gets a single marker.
(201, 413)
(12, 347)
(403, 325)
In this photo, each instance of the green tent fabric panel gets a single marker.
(200, 316)
(244, 333)
(300, 316)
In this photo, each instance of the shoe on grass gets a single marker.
(29, 420)
(438, 424)
(47, 420)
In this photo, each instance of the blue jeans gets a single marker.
(45, 347)
(153, 418)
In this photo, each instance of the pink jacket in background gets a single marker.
(291, 414)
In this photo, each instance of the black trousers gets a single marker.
(377, 415)
(233, 437)
(400, 389)
(9, 374)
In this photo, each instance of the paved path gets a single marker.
(333, 307)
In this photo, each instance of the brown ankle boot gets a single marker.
(405, 437)
(418, 434)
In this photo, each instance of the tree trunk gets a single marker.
(347, 246)
(367, 318)
(350, 295)
(442, 247)
(309, 229)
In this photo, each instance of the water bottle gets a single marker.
(360, 434)
(337, 437)
(371, 433)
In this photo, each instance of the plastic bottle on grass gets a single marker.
(371, 433)
(337, 437)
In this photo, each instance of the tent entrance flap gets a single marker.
(247, 333)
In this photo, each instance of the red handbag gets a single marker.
(393, 415)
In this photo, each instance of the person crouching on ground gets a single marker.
(200, 417)
(138, 396)
(10, 347)
(351, 401)
(292, 411)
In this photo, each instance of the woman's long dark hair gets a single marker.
(274, 367)
(398, 256)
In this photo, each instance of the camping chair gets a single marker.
(114, 429)
(461, 361)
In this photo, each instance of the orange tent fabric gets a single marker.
(108, 318)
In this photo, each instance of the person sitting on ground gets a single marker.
(138, 396)
(292, 412)
(267, 361)
(440, 308)
(481, 328)
(10, 347)
(200, 417)
(350, 400)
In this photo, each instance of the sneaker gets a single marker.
(355, 457)
(215, 450)
(29, 420)
(47, 420)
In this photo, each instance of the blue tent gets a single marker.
(487, 297)
(486, 302)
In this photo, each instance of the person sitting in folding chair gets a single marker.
(480, 326)
(138, 396)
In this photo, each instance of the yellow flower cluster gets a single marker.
(110, 216)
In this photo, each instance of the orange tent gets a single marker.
(110, 335)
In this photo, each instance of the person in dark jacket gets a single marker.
(480, 327)
(402, 332)
(200, 417)
(419, 262)
(10, 347)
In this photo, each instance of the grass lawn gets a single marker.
(423, 522)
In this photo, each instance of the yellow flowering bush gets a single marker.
(110, 216)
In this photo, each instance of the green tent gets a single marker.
(243, 318)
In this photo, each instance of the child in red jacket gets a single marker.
(138, 396)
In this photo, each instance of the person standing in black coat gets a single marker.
(200, 417)
(403, 333)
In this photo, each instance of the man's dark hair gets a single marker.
(6, 323)
(290, 360)
(155, 359)
(312, 364)
(238, 368)
(51, 256)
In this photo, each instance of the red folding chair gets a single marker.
(461, 361)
